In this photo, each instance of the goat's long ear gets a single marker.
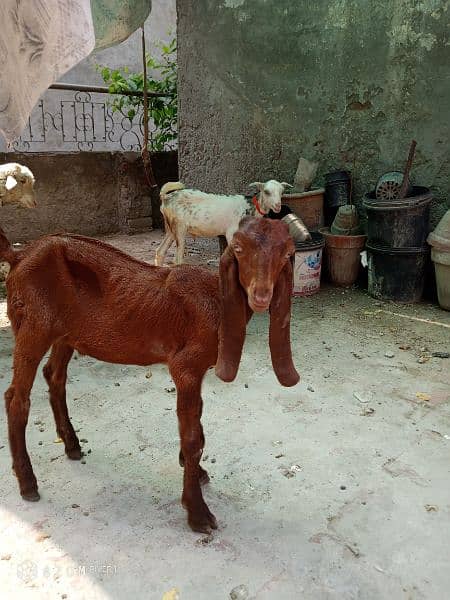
(279, 331)
(234, 313)
(286, 185)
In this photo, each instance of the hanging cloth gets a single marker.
(115, 20)
(40, 40)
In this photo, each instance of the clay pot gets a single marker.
(343, 256)
(308, 206)
(439, 239)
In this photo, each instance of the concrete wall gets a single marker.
(89, 192)
(346, 82)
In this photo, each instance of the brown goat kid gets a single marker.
(68, 292)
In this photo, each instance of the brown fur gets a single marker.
(68, 292)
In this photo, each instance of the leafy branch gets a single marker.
(162, 110)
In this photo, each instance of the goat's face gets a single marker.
(256, 275)
(262, 251)
(270, 194)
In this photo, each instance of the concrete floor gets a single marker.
(336, 489)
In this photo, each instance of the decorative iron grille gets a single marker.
(81, 118)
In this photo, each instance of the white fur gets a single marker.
(199, 214)
(17, 185)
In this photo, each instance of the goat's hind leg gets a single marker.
(55, 372)
(162, 248)
(27, 356)
(181, 243)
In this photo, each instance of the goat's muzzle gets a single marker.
(259, 296)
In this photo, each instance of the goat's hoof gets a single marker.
(32, 496)
(74, 454)
(202, 523)
(204, 477)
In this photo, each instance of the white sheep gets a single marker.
(199, 214)
(17, 185)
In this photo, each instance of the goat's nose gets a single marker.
(262, 297)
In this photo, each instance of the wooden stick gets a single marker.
(148, 169)
(405, 182)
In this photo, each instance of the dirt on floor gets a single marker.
(335, 489)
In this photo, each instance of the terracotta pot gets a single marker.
(343, 256)
(308, 206)
(439, 239)
(441, 261)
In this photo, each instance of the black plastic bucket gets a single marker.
(337, 193)
(399, 223)
(317, 241)
(396, 274)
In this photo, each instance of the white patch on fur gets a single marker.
(10, 183)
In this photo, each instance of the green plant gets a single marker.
(162, 110)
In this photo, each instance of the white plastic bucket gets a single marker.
(308, 266)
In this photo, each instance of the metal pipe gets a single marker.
(75, 87)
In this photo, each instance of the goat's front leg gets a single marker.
(163, 248)
(203, 474)
(189, 409)
(222, 244)
(17, 401)
(55, 372)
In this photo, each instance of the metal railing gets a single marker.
(81, 118)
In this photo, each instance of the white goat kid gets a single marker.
(17, 185)
(199, 214)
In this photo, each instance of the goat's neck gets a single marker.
(252, 210)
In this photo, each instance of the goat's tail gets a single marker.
(7, 253)
(168, 187)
